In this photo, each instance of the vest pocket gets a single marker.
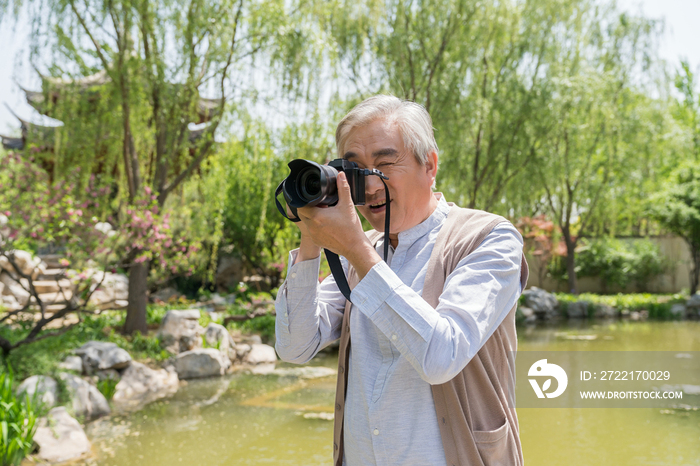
(496, 446)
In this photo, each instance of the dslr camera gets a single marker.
(312, 184)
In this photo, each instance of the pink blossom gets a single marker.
(147, 189)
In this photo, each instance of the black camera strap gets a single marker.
(333, 259)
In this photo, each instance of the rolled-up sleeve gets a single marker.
(476, 298)
(309, 314)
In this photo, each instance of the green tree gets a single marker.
(158, 57)
(677, 208)
(592, 84)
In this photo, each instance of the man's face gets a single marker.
(380, 145)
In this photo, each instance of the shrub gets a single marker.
(17, 422)
(617, 263)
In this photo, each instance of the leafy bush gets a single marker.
(658, 305)
(17, 422)
(107, 386)
(617, 263)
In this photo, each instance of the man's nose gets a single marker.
(373, 186)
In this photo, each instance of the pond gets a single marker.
(247, 419)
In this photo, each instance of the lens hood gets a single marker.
(310, 184)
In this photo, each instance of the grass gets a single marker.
(18, 418)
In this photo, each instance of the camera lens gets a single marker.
(310, 182)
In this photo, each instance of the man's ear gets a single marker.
(431, 165)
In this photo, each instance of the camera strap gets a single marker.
(334, 261)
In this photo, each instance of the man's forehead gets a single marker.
(384, 152)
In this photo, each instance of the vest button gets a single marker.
(443, 420)
(337, 406)
(335, 445)
(341, 369)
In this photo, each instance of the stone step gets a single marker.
(52, 286)
(52, 274)
(51, 298)
(52, 260)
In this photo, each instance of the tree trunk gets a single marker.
(136, 310)
(570, 259)
(695, 273)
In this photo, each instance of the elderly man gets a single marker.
(427, 375)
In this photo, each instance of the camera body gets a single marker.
(312, 184)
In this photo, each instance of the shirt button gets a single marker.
(376, 432)
(294, 275)
(393, 337)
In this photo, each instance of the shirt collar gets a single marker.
(435, 219)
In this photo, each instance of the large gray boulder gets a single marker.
(218, 337)
(72, 363)
(141, 385)
(543, 304)
(60, 437)
(180, 331)
(86, 399)
(577, 309)
(678, 310)
(261, 354)
(201, 362)
(43, 387)
(102, 355)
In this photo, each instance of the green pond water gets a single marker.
(246, 419)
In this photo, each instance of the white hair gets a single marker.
(412, 119)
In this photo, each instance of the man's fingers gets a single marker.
(344, 195)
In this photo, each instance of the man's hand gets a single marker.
(338, 229)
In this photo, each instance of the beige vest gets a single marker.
(475, 409)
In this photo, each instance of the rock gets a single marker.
(218, 337)
(229, 273)
(72, 363)
(45, 388)
(101, 355)
(26, 264)
(603, 310)
(201, 362)
(261, 354)
(322, 416)
(306, 372)
(13, 288)
(11, 303)
(543, 304)
(218, 301)
(258, 283)
(165, 295)
(254, 339)
(694, 301)
(60, 437)
(263, 369)
(141, 385)
(109, 374)
(635, 315)
(526, 311)
(112, 287)
(180, 331)
(577, 309)
(678, 310)
(242, 349)
(86, 400)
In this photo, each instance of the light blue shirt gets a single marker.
(400, 345)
